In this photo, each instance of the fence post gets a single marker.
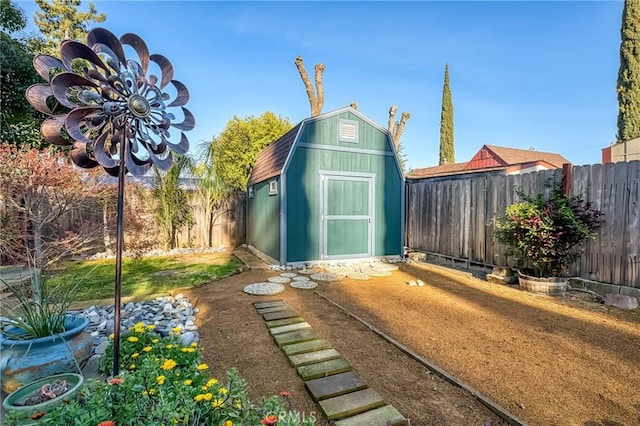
(566, 178)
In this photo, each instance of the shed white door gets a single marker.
(346, 216)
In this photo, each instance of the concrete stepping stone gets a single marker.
(303, 347)
(300, 278)
(307, 271)
(274, 309)
(288, 328)
(323, 369)
(313, 357)
(323, 276)
(294, 337)
(279, 280)
(279, 315)
(358, 276)
(336, 385)
(306, 285)
(268, 304)
(288, 274)
(383, 416)
(285, 321)
(263, 289)
(351, 404)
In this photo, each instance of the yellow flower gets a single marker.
(238, 405)
(187, 382)
(151, 327)
(160, 380)
(168, 364)
(132, 366)
(111, 336)
(155, 340)
(152, 391)
(212, 382)
(203, 397)
(135, 355)
(194, 344)
(217, 403)
(146, 348)
(176, 329)
(227, 423)
(204, 388)
(185, 349)
(223, 391)
(139, 327)
(169, 346)
(202, 367)
(132, 339)
(144, 392)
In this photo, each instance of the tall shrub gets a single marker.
(447, 154)
(628, 86)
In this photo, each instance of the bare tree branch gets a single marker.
(316, 102)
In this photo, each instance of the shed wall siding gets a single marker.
(303, 187)
(325, 132)
(264, 220)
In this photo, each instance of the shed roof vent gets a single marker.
(348, 131)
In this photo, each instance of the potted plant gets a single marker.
(39, 338)
(41, 396)
(545, 235)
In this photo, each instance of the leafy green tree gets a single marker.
(172, 210)
(233, 153)
(61, 20)
(628, 87)
(447, 155)
(19, 122)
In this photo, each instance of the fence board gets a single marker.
(453, 217)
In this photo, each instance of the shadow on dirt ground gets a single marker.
(549, 361)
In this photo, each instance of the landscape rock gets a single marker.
(621, 301)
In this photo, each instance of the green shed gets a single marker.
(330, 188)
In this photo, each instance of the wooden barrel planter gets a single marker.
(554, 286)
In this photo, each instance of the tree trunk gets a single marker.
(396, 128)
(316, 101)
(106, 238)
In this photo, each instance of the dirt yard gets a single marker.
(549, 361)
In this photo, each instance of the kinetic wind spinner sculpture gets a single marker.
(115, 116)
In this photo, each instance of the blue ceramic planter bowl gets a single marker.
(25, 361)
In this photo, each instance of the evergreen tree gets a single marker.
(61, 20)
(447, 155)
(628, 87)
(19, 121)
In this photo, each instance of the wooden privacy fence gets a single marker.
(453, 215)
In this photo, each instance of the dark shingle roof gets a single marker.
(272, 158)
(444, 169)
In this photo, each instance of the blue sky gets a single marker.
(526, 75)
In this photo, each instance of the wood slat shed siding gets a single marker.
(454, 217)
(303, 185)
(263, 227)
(325, 132)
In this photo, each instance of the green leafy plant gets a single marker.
(546, 233)
(165, 382)
(31, 317)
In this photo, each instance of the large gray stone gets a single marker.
(621, 301)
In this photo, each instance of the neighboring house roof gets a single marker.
(271, 159)
(443, 170)
(513, 156)
(491, 158)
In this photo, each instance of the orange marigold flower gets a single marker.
(107, 423)
(115, 381)
(285, 394)
(269, 420)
